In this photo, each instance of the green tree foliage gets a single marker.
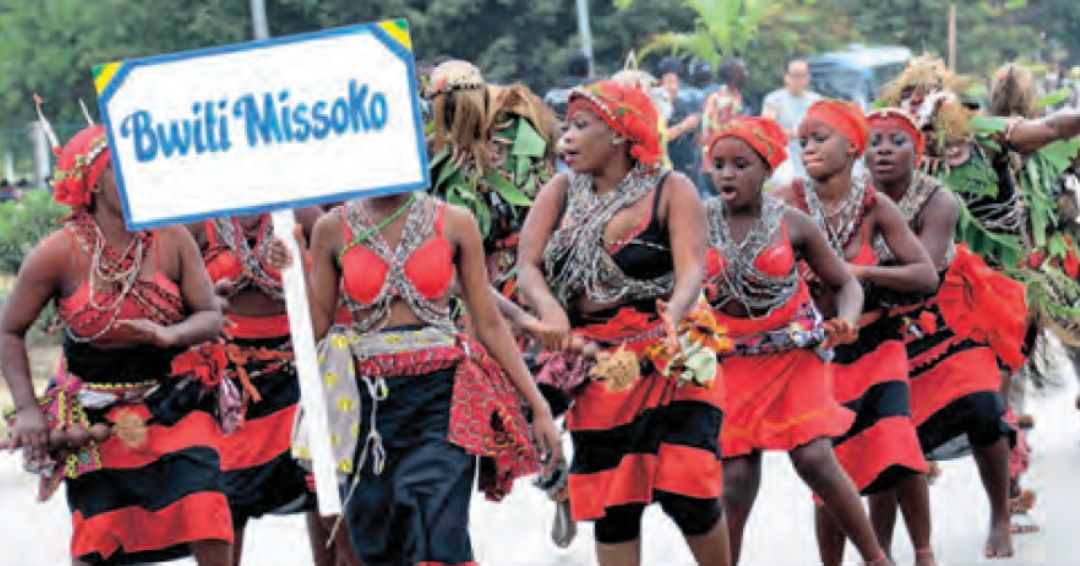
(49, 46)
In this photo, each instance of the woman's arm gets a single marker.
(685, 219)
(38, 281)
(322, 274)
(915, 272)
(538, 227)
(808, 240)
(1030, 136)
(204, 321)
(937, 230)
(491, 328)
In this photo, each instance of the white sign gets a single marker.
(265, 125)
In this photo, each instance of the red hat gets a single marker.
(845, 117)
(628, 110)
(764, 135)
(895, 118)
(79, 165)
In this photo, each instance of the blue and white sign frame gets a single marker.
(265, 125)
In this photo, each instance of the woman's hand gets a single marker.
(839, 332)
(279, 256)
(671, 335)
(857, 271)
(547, 439)
(150, 332)
(29, 430)
(553, 331)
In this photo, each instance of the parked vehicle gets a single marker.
(857, 73)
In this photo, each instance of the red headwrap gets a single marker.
(844, 117)
(764, 135)
(628, 110)
(894, 118)
(80, 164)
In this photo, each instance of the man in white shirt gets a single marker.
(788, 107)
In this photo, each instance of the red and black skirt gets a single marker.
(654, 438)
(870, 377)
(261, 475)
(957, 344)
(779, 390)
(141, 501)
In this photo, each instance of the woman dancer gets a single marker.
(600, 247)
(412, 401)
(778, 394)
(260, 474)
(957, 338)
(128, 303)
(881, 449)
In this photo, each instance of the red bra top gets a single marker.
(430, 268)
(222, 262)
(866, 255)
(776, 260)
(158, 300)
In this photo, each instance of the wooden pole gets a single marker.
(952, 36)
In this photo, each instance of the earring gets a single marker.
(617, 141)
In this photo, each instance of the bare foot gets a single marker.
(925, 557)
(999, 543)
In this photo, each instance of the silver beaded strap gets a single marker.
(419, 227)
(741, 280)
(576, 259)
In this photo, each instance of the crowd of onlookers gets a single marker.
(10, 191)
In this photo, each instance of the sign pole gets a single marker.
(312, 397)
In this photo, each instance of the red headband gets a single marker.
(628, 110)
(80, 164)
(765, 136)
(844, 117)
(896, 119)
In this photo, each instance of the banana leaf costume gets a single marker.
(522, 140)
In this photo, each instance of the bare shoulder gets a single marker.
(784, 192)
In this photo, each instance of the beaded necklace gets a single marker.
(116, 275)
(918, 193)
(850, 214)
(741, 280)
(576, 259)
(252, 258)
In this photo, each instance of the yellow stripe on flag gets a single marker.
(105, 75)
(399, 30)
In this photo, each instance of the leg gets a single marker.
(913, 494)
(702, 525)
(317, 534)
(238, 542)
(993, 462)
(212, 552)
(742, 478)
(712, 548)
(618, 535)
(817, 466)
(883, 518)
(830, 538)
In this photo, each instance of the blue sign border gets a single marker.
(392, 44)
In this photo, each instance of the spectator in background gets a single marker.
(683, 120)
(7, 192)
(1057, 79)
(788, 106)
(702, 78)
(577, 73)
(722, 106)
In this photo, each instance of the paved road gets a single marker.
(780, 531)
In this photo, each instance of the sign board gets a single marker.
(265, 125)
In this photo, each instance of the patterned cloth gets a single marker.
(485, 415)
